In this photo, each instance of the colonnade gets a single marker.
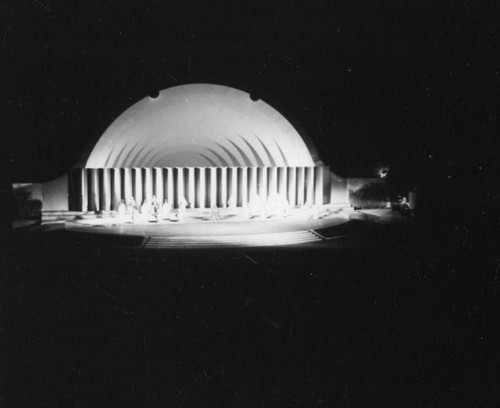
(203, 187)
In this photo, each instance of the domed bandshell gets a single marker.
(201, 125)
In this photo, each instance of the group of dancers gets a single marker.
(273, 206)
(152, 210)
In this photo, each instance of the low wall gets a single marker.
(27, 200)
(354, 184)
(338, 190)
(366, 192)
(55, 194)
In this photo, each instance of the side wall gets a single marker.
(27, 200)
(338, 190)
(354, 184)
(55, 194)
(373, 195)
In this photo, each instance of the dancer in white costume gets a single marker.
(155, 207)
(183, 204)
(122, 209)
(231, 203)
(165, 210)
(132, 208)
(145, 207)
(214, 213)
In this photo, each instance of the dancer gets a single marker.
(145, 209)
(132, 208)
(183, 203)
(165, 209)
(231, 203)
(215, 213)
(155, 207)
(122, 209)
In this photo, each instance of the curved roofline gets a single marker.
(264, 97)
(291, 118)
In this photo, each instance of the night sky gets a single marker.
(402, 314)
(406, 84)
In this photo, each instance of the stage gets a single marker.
(228, 228)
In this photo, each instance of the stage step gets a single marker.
(215, 241)
(67, 215)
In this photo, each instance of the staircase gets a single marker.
(249, 240)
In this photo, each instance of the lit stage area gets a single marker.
(197, 228)
(200, 165)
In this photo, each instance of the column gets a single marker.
(170, 186)
(117, 188)
(244, 187)
(148, 184)
(179, 185)
(262, 182)
(253, 182)
(191, 188)
(233, 185)
(159, 183)
(213, 186)
(326, 184)
(273, 183)
(138, 186)
(300, 186)
(84, 190)
(106, 184)
(201, 188)
(292, 186)
(223, 187)
(94, 190)
(310, 185)
(127, 185)
(282, 182)
(318, 185)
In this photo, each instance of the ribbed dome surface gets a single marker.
(200, 125)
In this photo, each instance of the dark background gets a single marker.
(404, 315)
(398, 83)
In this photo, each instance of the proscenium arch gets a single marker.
(199, 125)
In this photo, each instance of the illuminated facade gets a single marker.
(210, 144)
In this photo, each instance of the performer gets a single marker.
(155, 207)
(165, 209)
(232, 202)
(122, 209)
(314, 211)
(215, 213)
(132, 208)
(145, 209)
(183, 203)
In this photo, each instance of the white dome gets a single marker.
(200, 125)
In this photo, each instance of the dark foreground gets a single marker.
(408, 317)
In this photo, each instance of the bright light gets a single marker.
(382, 173)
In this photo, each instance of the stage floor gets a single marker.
(200, 223)
(230, 228)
